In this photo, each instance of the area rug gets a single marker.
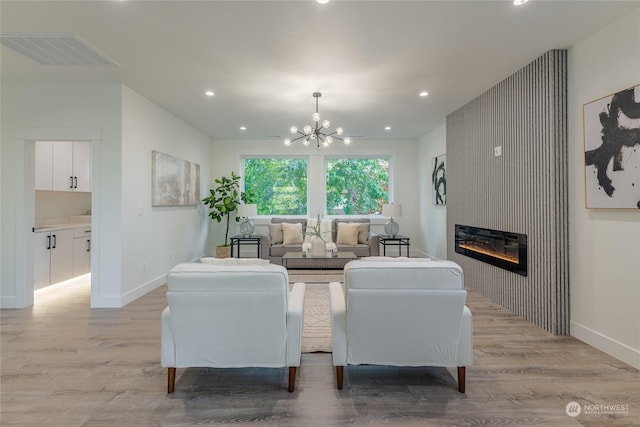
(316, 276)
(316, 330)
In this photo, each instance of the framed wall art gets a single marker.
(174, 182)
(612, 151)
(439, 180)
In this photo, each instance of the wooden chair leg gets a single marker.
(171, 383)
(340, 376)
(461, 378)
(292, 378)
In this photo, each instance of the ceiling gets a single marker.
(264, 59)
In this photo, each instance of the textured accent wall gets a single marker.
(523, 191)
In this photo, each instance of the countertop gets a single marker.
(54, 224)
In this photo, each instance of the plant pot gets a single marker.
(223, 251)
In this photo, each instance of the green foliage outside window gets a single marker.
(357, 186)
(279, 186)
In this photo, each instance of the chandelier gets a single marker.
(320, 134)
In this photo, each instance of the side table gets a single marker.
(240, 240)
(398, 240)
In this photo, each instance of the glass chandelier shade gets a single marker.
(319, 133)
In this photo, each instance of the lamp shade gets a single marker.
(392, 210)
(247, 210)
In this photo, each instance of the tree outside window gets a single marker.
(356, 186)
(279, 185)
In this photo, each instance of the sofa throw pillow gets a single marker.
(348, 233)
(363, 235)
(292, 234)
(234, 261)
(275, 233)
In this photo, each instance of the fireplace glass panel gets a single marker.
(500, 248)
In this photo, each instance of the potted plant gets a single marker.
(223, 202)
(318, 244)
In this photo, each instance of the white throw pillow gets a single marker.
(348, 233)
(275, 233)
(292, 234)
(234, 261)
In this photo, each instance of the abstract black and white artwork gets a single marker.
(612, 151)
(175, 182)
(439, 180)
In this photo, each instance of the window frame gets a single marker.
(316, 176)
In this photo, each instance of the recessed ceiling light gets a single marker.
(519, 2)
(323, 1)
(424, 93)
(387, 128)
(209, 93)
(243, 128)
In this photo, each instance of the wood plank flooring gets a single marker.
(64, 364)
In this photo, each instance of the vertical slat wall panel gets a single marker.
(522, 191)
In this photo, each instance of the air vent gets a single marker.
(55, 49)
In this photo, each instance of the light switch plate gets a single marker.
(497, 150)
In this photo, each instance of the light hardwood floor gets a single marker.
(64, 364)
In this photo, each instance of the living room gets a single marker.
(131, 258)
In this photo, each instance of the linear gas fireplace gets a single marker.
(500, 248)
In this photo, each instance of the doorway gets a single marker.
(26, 209)
(62, 214)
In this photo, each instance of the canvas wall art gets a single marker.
(612, 151)
(175, 182)
(439, 180)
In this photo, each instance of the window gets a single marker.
(278, 184)
(356, 186)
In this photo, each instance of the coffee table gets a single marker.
(306, 260)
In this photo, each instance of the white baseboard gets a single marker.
(143, 289)
(132, 295)
(620, 351)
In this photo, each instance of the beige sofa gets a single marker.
(273, 250)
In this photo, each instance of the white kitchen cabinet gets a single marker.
(82, 251)
(44, 165)
(41, 260)
(63, 166)
(53, 257)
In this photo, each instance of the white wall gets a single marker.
(129, 126)
(59, 110)
(225, 156)
(433, 218)
(155, 239)
(604, 244)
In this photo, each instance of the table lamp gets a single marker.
(392, 210)
(245, 211)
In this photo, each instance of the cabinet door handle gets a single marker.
(71, 179)
(88, 245)
(48, 242)
(55, 240)
(75, 182)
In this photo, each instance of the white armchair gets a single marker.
(231, 317)
(401, 313)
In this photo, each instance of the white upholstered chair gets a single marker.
(401, 313)
(231, 317)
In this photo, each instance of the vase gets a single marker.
(318, 248)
